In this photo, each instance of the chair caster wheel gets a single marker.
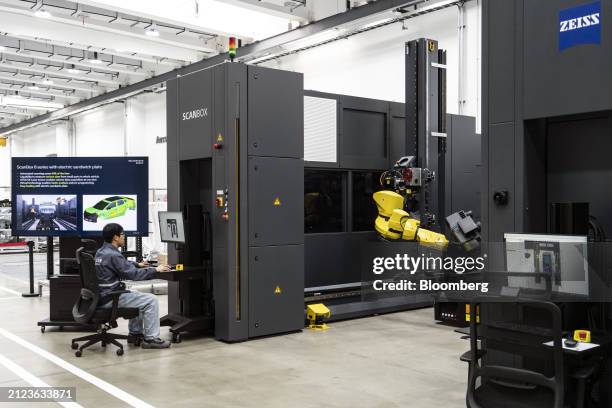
(103, 344)
(78, 353)
(74, 346)
(42, 329)
(119, 352)
(176, 338)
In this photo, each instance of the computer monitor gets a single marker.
(171, 227)
(562, 257)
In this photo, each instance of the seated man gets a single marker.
(111, 268)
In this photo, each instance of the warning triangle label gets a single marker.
(277, 290)
(219, 138)
(277, 201)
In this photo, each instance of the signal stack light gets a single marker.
(232, 48)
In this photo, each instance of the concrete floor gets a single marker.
(396, 360)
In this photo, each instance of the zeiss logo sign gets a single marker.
(195, 114)
(580, 25)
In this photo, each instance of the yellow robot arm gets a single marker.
(394, 223)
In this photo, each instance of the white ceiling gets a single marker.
(214, 15)
(54, 53)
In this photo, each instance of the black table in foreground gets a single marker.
(188, 297)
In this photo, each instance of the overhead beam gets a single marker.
(30, 110)
(25, 24)
(52, 90)
(41, 48)
(31, 103)
(42, 92)
(77, 61)
(359, 27)
(336, 20)
(60, 72)
(255, 49)
(163, 38)
(20, 111)
(5, 113)
(38, 80)
(153, 59)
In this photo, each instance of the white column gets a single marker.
(63, 144)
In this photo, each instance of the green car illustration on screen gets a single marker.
(110, 207)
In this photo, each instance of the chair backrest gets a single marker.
(87, 268)
(87, 302)
(493, 335)
(90, 246)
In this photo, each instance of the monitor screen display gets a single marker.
(78, 196)
(562, 259)
(171, 227)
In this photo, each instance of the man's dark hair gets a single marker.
(110, 230)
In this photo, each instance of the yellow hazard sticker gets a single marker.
(277, 201)
(277, 291)
(219, 138)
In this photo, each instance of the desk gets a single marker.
(599, 345)
(175, 276)
(189, 301)
(579, 349)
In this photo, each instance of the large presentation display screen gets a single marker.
(61, 196)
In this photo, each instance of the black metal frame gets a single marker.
(478, 366)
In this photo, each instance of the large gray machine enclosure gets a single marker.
(255, 116)
(547, 116)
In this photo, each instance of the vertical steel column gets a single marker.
(442, 133)
(426, 123)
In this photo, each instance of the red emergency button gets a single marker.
(217, 146)
(225, 216)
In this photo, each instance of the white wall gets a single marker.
(100, 132)
(38, 141)
(371, 64)
(146, 122)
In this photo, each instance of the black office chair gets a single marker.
(70, 266)
(509, 387)
(86, 309)
(90, 246)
